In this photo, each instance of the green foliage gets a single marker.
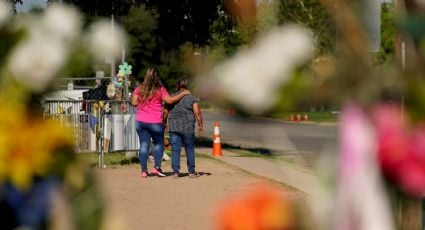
(105, 8)
(172, 69)
(140, 25)
(292, 95)
(313, 15)
(267, 16)
(225, 38)
(185, 21)
(160, 31)
(79, 64)
(388, 33)
(115, 158)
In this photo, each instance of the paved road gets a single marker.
(270, 135)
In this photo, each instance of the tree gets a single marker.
(225, 36)
(388, 32)
(140, 24)
(184, 21)
(14, 2)
(93, 9)
(313, 15)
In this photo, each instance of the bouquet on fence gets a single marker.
(118, 88)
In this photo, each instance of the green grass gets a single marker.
(205, 104)
(116, 158)
(250, 153)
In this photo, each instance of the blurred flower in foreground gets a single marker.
(401, 149)
(260, 208)
(36, 154)
(30, 153)
(360, 199)
(46, 46)
(43, 59)
(62, 21)
(5, 12)
(253, 76)
(105, 42)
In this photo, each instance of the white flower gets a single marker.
(38, 58)
(110, 91)
(105, 41)
(61, 21)
(253, 76)
(35, 62)
(5, 12)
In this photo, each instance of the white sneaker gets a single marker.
(165, 157)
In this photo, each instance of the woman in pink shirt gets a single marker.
(148, 98)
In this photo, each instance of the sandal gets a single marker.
(194, 175)
(176, 175)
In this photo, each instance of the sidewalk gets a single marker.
(287, 173)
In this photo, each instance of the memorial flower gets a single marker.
(401, 148)
(260, 207)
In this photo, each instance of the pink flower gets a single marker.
(360, 199)
(401, 150)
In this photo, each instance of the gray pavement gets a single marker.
(288, 173)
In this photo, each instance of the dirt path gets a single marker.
(167, 203)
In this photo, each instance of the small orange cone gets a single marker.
(298, 118)
(217, 145)
(231, 112)
(305, 117)
(292, 117)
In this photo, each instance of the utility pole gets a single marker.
(113, 35)
(408, 210)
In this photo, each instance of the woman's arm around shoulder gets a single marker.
(173, 99)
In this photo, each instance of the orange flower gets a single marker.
(262, 208)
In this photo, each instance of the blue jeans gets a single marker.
(146, 131)
(178, 139)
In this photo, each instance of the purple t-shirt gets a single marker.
(151, 110)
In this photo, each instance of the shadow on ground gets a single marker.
(205, 142)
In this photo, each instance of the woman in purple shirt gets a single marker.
(148, 98)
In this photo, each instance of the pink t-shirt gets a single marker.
(151, 111)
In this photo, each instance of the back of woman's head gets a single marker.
(150, 85)
(152, 77)
(183, 83)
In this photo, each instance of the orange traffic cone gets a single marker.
(231, 112)
(305, 117)
(292, 117)
(298, 118)
(217, 145)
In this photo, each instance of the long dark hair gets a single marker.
(150, 85)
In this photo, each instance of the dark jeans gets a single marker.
(146, 131)
(178, 139)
